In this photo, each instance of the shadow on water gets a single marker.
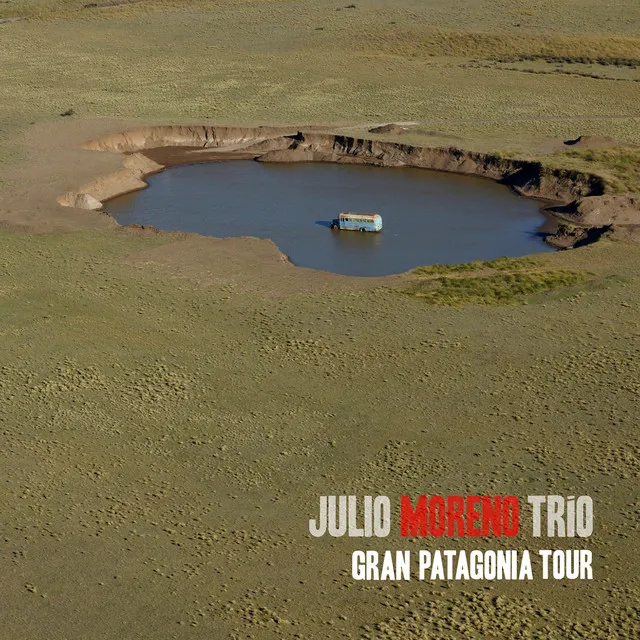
(429, 217)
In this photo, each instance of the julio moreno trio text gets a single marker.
(460, 516)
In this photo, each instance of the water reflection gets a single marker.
(428, 216)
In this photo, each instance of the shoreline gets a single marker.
(563, 193)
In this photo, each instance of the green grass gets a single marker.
(621, 163)
(499, 264)
(509, 281)
(499, 288)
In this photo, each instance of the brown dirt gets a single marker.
(175, 156)
(108, 3)
(392, 128)
(276, 145)
(592, 142)
(580, 142)
(607, 210)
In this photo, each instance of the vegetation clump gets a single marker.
(499, 264)
(509, 281)
(617, 61)
(501, 288)
(621, 163)
(510, 47)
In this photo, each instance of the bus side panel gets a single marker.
(352, 225)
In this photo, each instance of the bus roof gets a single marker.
(350, 214)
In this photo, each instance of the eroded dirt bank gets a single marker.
(581, 197)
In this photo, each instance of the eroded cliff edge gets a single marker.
(579, 199)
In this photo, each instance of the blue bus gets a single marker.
(358, 222)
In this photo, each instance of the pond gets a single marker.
(429, 217)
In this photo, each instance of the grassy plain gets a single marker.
(298, 62)
(171, 407)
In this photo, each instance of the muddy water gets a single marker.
(429, 217)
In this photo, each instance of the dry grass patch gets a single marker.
(421, 42)
(262, 62)
(46, 9)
